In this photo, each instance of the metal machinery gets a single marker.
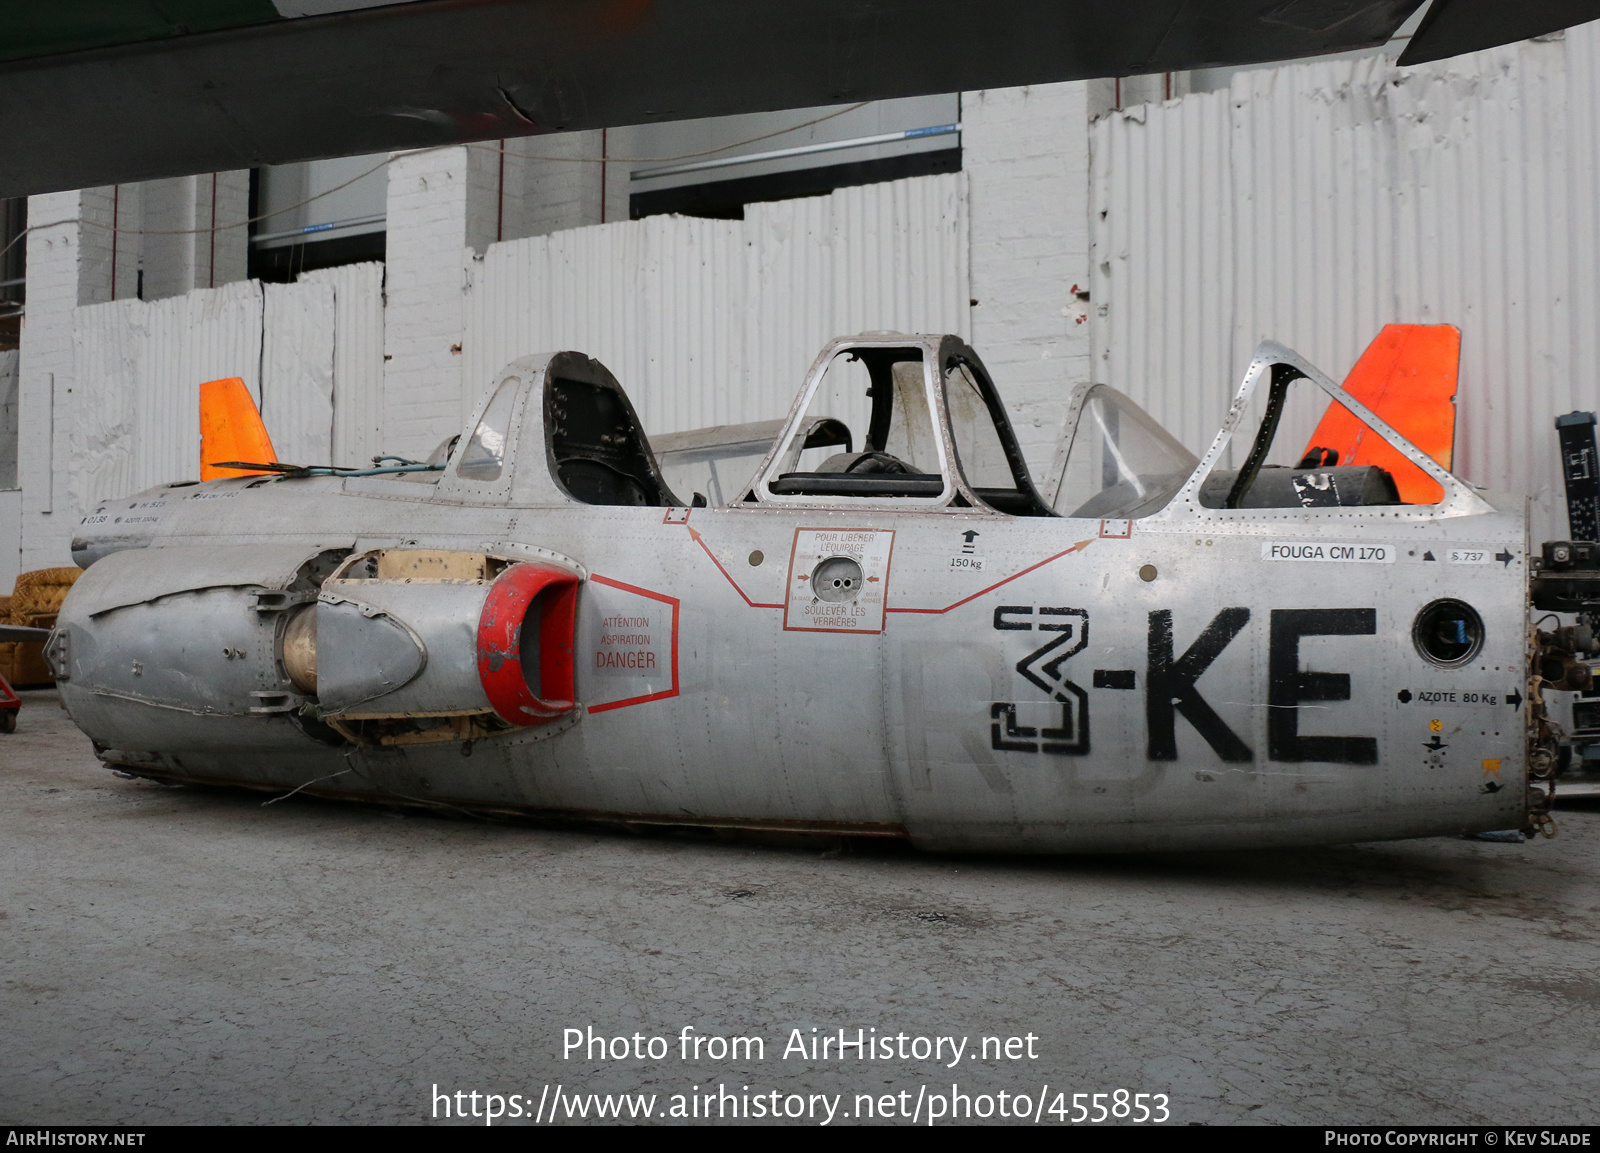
(1566, 581)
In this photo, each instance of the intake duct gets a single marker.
(409, 645)
(174, 649)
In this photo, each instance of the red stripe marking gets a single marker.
(673, 601)
(997, 584)
(699, 540)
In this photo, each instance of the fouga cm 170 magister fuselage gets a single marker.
(890, 630)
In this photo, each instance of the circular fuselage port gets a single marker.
(1448, 632)
(836, 579)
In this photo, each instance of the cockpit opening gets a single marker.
(1285, 466)
(917, 423)
(874, 397)
(599, 453)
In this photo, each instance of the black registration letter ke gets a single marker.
(1169, 686)
(1289, 685)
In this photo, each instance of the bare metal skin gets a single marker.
(899, 635)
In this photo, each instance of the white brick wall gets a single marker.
(1026, 154)
(561, 193)
(110, 217)
(177, 259)
(554, 182)
(10, 539)
(440, 205)
(8, 423)
(69, 263)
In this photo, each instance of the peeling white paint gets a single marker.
(1314, 203)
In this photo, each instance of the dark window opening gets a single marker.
(600, 453)
(283, 263)
(725, 199)
(13, 268)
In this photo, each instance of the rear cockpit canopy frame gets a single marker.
(1276, 367)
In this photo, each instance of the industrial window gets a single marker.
(13, 285)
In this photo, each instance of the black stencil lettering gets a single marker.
(1289, 685)
(1018, 742)
(1061, 741)
(1170, 685)
(1004, 611)
(1049, 677)
(1114, 678)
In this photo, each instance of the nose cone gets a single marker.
(361, 657)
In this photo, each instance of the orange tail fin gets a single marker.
(231, 429)
(1408, 377)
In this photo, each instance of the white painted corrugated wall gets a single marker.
(357, 359)
(704, 321)
(132, 406)
(297, 370)
(1314, 203)
(716, 321)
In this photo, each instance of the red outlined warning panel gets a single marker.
(627, 645)
(838, 580)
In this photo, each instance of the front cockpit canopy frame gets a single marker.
(923, 427)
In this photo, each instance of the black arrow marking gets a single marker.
(1427, 556)
(1504, 557)
(1514, 698)
(1435, 744)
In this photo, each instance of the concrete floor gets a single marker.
(178, 955)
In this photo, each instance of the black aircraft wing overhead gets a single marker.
(100, 91)
(1452, 27)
